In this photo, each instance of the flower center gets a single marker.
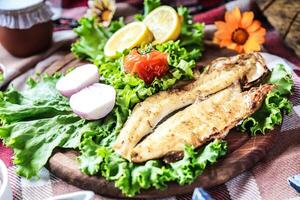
(240, 36)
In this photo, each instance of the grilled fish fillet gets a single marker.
(219, 75)
(200, 122)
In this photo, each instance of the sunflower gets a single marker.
(239, 32)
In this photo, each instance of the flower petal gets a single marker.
(223, 34)
(232, 46)
(247, 19)
(221, 42)
(225, 42)
(259, 35)
(251, 45)
(220, 24)
(233, 17)
(254, 26)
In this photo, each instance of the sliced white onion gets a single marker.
(93, 102)
(78, 79)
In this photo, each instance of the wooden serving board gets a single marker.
(244, 152)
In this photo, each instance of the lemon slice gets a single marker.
(164, 23)
(131, 35)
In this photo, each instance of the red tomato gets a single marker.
(146, 66)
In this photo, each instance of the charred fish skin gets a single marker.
(201, 122)
(219, 75)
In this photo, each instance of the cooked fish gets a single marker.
(200, 122)
(219, 75)
(254, 74)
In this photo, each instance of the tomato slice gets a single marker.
(147, 66)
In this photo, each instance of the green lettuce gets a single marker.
(93, 37)
(131, 178)
(36, 121)
(282, 79)
(275, 105)
(191, 36)
(38, 101)
(1, 77)
(149, 5)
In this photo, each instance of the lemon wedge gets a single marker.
(132, 35)
(164, 23)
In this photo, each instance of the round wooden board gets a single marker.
(244, 152)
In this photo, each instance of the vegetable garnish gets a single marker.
(240, 32)
(148, 65)
(36, 121)
(275, 105)
(93, 37)
(131, 178)
(78, 79)
(93, 102)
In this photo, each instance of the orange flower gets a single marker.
(240, 32)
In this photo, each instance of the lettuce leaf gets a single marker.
(131, 178)
(149, 5)
(275, 105)
(192, 34)
(93, 37)
(38, 101)
(36, 121)
(282, 79)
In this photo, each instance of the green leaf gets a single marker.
(194, 163)
(192, 34)
(93, 37)
(131, 178)
(39, 101)
(1, 77)
(150, 5)
(282, 79)
(36, 121)
(275, 105)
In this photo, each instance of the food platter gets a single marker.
(155, 109)
(244, 151)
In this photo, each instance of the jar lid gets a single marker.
(23, 14)
(17, 4)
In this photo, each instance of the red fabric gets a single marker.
(210, 3)
(211, 16)
(73, 3)
(5, 154)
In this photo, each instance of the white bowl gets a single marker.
(5, 190)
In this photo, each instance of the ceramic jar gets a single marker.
(25, 26)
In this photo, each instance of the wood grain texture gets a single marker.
(285, 18)
(243, 152)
